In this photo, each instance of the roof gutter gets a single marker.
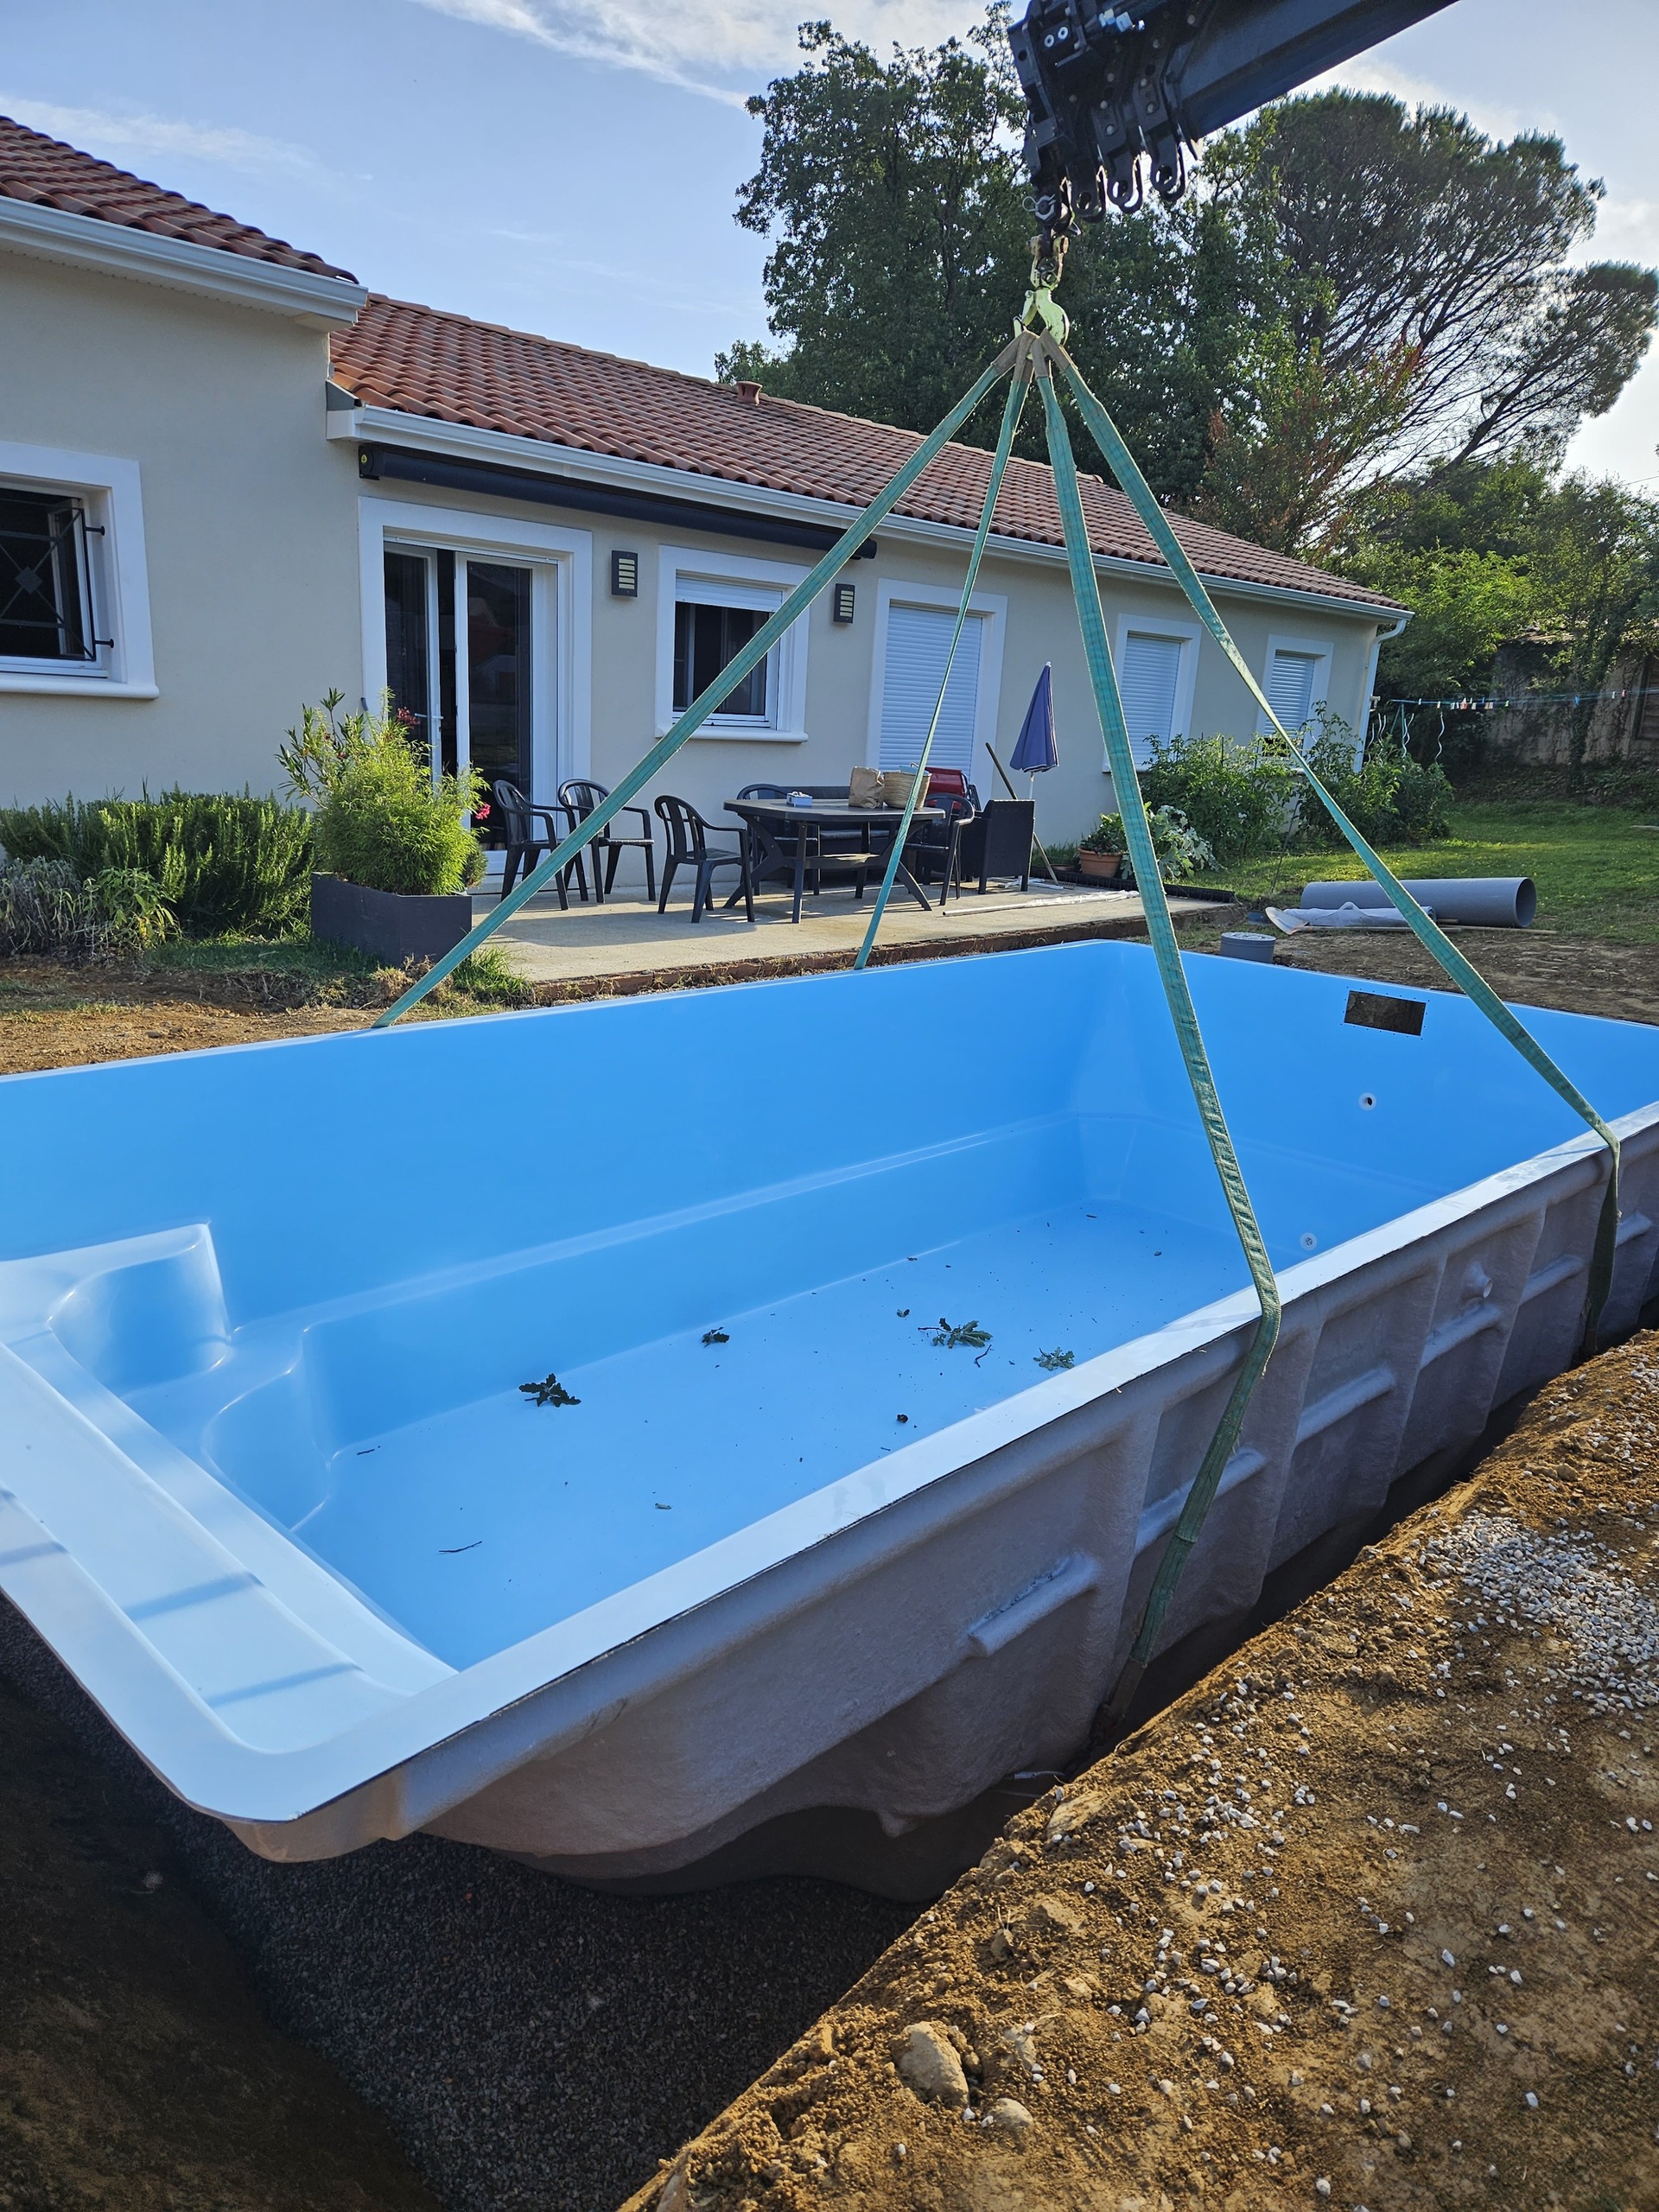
(542, 458)
(90, 242)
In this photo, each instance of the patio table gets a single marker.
(770, 820)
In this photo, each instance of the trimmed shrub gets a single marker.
(46, 908)
(381, 820)
(221, 862)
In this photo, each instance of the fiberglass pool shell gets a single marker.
(274, 1495)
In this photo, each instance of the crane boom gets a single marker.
(1114, 87)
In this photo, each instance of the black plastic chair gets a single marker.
(997, 842)
(525, 843)
(688, 846)
(582, 798)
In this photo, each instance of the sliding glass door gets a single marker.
(469, 646)
(499, 603)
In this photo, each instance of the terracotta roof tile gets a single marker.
(48, 173)
(421, 361)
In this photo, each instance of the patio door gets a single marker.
(469, 663)
(499, 653)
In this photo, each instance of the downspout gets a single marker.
(1369, 690)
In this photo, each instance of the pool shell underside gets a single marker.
(855, 1288)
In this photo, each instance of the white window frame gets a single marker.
(762, 585)
(110, 491)
(1317, 649)
(562, 617)
(1185, 634)
(992, 609)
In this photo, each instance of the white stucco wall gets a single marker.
(1031, 599)
(264, 581)
(249, 519)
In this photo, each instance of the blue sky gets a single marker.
(569, 166)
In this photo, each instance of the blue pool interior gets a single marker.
(323, 1268)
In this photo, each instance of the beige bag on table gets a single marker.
(880, 787)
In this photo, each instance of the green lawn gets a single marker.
(1596, 868)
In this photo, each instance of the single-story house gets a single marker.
(232, 479)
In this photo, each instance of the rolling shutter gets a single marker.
(1150, 680)
(1291, 678)
(919, 639)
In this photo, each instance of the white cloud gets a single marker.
(1626, 230)
(99, 131)
(723, 48)
(1371, 73)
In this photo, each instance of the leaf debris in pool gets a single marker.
(1053, 1361)
(454, 1551)
(549, 1391)
(715, 1336)
(950, 1334)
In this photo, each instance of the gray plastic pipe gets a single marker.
(1493, 902)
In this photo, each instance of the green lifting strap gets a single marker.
(1138, 834)
(1106, 436)
(700, 710)
(1016, 401)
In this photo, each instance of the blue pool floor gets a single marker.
(479, 1526)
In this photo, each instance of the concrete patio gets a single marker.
(627, 939)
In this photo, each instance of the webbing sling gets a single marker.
(1161, 929)
(1016, 401)
(700, 710)
(1428, 933)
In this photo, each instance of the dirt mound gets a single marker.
(1368, 1919)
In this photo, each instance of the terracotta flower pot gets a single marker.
(1103, 867)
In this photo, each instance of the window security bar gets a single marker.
(46, 580)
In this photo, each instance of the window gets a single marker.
(75, 600)
(1291, 678)
(918, 640)
(709, 606)
(1297, 680)
(46, 599)
(1156, 666)
(708, 639)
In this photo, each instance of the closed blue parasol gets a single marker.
(1034, 752)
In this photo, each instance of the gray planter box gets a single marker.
(388, 925)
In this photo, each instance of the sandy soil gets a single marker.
(137, 2072)
(56, 1017)
(1368, 1919)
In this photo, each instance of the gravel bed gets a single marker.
(535, 2047)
